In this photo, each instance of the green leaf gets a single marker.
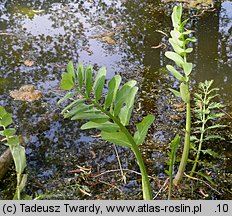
(176, 35)
(6, 119)
(142, 129)
(187, 32)
(188, 40)
(9, 132)
(67, 81)
(187, 68)
(2, 111)
(66, 97)
(74, 103)
(13, 141)
(176, 93)
(175, 73)
(206, 177)
(176, 16)
(189, 50)
(125, 112)
(113, 86)
(19, 156)
(209, 137)
(88, 79)
(175, 143)
(122, 95)
(70, 70)
(80, 108)
(106, 126)
(216, 126)
(91, 116)
(184, 92)
(80, 74)
(23, 182)
(183, 23)
(117, 138)
(99, 83)
(175, 57)
(177, 48)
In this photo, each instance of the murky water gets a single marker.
(50, 33)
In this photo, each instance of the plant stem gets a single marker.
(201, 137)
(146, 187)
(145, 180)
(185, 154)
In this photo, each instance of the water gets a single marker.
(50, 33)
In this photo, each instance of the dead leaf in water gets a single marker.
(26, 93)
(29, 63)
(108, 40)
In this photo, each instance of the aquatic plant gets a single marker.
(172, 158)
(179, 41)
(17, 151)
(206, 112)
(110, 114)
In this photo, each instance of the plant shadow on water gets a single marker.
(38, 39)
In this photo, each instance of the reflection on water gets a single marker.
(50, 33)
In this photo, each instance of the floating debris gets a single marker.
(26, 93)
(105, 37)
(108, 40)
(29, 63)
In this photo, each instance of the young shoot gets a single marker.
(181, 71)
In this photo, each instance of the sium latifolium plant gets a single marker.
(110, 114)
(179, 40)
(18, 152)
(206, 112)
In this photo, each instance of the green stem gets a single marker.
(185, 154)
(147, 195)
(201, 138)
(170, 183)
